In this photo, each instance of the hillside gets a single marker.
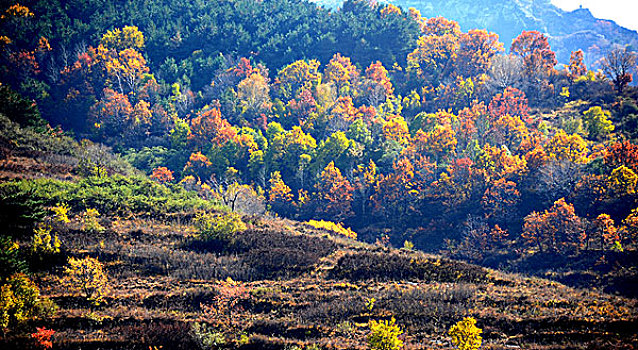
(567, 30)
(240, 174)
(281, 284)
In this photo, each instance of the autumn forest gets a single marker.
(309, 178)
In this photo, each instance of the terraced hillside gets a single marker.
(298, 286)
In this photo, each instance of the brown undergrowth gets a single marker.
(281, 284)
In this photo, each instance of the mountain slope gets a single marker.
(298, 287)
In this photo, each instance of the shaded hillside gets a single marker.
(567, 31)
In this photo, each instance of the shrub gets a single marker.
(20, 207)
(10, 261)
(333, 227)
(157, 334)
(43, 337)
(60, 212)
(162, 175)
(207, 337)
(90, 221)
(20, 301)
(87, 277)
(276, 254)
(43, 243)
(384, 335)
(218, 227)
(22, 201)
(402, 266)
(465, 335)
(225, 309)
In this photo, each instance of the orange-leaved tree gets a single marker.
(557, 229)
(334, 194)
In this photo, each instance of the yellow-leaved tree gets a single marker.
(87, 277)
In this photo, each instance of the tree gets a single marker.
(510, 131)
(557, 229)
(334, 194)
(479, 239)
(577, 67)
(505, 71)
(252, 93)
(198, 165)
(112, 114)
(342, 72)
(244, 69)
(339, 149)
(567, 147)
(20, 302)
(605, 230)
(279, 194)
(343, 113)
(365, 177)
(118, 39)
(126, 69)
(397, 129)
(622, 182)
(597, 123)
(395, 192)
(238, 197)
(537, 55)
(87, 276)
(434, 58)
(617, 65)
(500, 200)
(210, 127)
(621, 153)
(302, 106)
(377, 86)
(16, 10)
(390, 9)
(631, 226)
(511, 102)
(441, 26)
(439, 144)
(297, 75)
(162, 175)
(476, 50)
(498, 162)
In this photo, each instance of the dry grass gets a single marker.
(308, 287)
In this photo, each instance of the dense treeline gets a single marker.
(370, 115)
(185, 40)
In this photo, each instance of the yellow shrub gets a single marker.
(334, 227)
(91, 222)
(61, 212)
(20, 301)
(218, 227)
(465, 335)
(384, 335)
(43, 242)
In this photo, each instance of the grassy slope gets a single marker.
(303, 286)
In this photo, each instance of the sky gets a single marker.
(623, 12)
